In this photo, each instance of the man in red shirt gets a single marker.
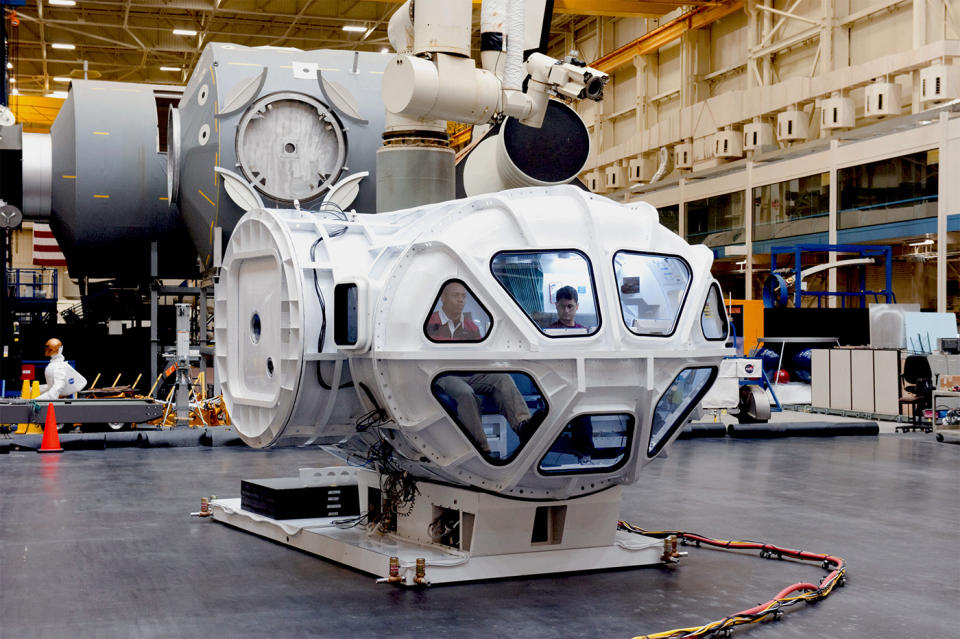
(448, 323)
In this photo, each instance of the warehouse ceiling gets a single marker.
(134, 40)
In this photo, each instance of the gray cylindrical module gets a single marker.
(109, 183)
(409, 176)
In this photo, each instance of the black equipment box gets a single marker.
(289, 498)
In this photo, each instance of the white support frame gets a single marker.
(500, 542)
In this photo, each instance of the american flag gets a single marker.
(46, 251)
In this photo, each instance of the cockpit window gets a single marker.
(676, 403)
(590, 444)
(457, 316)
(652, 289)
(554, 288)
(497, 411)
(713, 318)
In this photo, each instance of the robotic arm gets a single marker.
(433, 76)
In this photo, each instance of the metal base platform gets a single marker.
(497, 538)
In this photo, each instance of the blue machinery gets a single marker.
(775, 288)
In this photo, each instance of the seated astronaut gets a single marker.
(62, 379)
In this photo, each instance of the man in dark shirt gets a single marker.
(567, 304)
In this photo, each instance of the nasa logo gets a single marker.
(70, 381)
(748, 368)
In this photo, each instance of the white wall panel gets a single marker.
(872, 39)
(668, 76)
(624, 89)
(728, 41)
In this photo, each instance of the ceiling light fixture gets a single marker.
(171, 69)
(184, 32)
(384, 50)
(355, 28)
(57, 94)
(926, 242)
(62, 3)
(9, 65)
(14, 91)
(64, 46)
(61, 78)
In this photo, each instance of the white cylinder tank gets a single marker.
(537, 343)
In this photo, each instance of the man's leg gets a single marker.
(505, 394)
(468, 407)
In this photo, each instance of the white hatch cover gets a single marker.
(259, 346)
(290, 146)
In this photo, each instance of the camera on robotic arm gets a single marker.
(570, 77)
(574, 79)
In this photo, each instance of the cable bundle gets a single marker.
(789, 596)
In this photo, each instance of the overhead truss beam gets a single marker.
(665, 34)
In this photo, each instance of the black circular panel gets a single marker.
(555, 152)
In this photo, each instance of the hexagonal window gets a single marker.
(652, 290)
(676, 403)
(497, 411)
(590, 444)
(553, 288)
(713, 317)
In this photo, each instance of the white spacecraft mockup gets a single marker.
(492, 368)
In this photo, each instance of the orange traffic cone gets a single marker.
(51, 440)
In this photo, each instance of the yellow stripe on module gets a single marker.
(101, 196)
(101, 133)
(375, 72)
(205, 197)
(164, 198)
(69, 177)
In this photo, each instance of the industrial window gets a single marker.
(497, 411)
(798, 206)
(676, 403)
(716, 220)
(652, 289)
(457, 316)
(554, 289)
(590, 444)
(897, 189)
(713, 318)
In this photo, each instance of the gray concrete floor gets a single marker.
(100, 544)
